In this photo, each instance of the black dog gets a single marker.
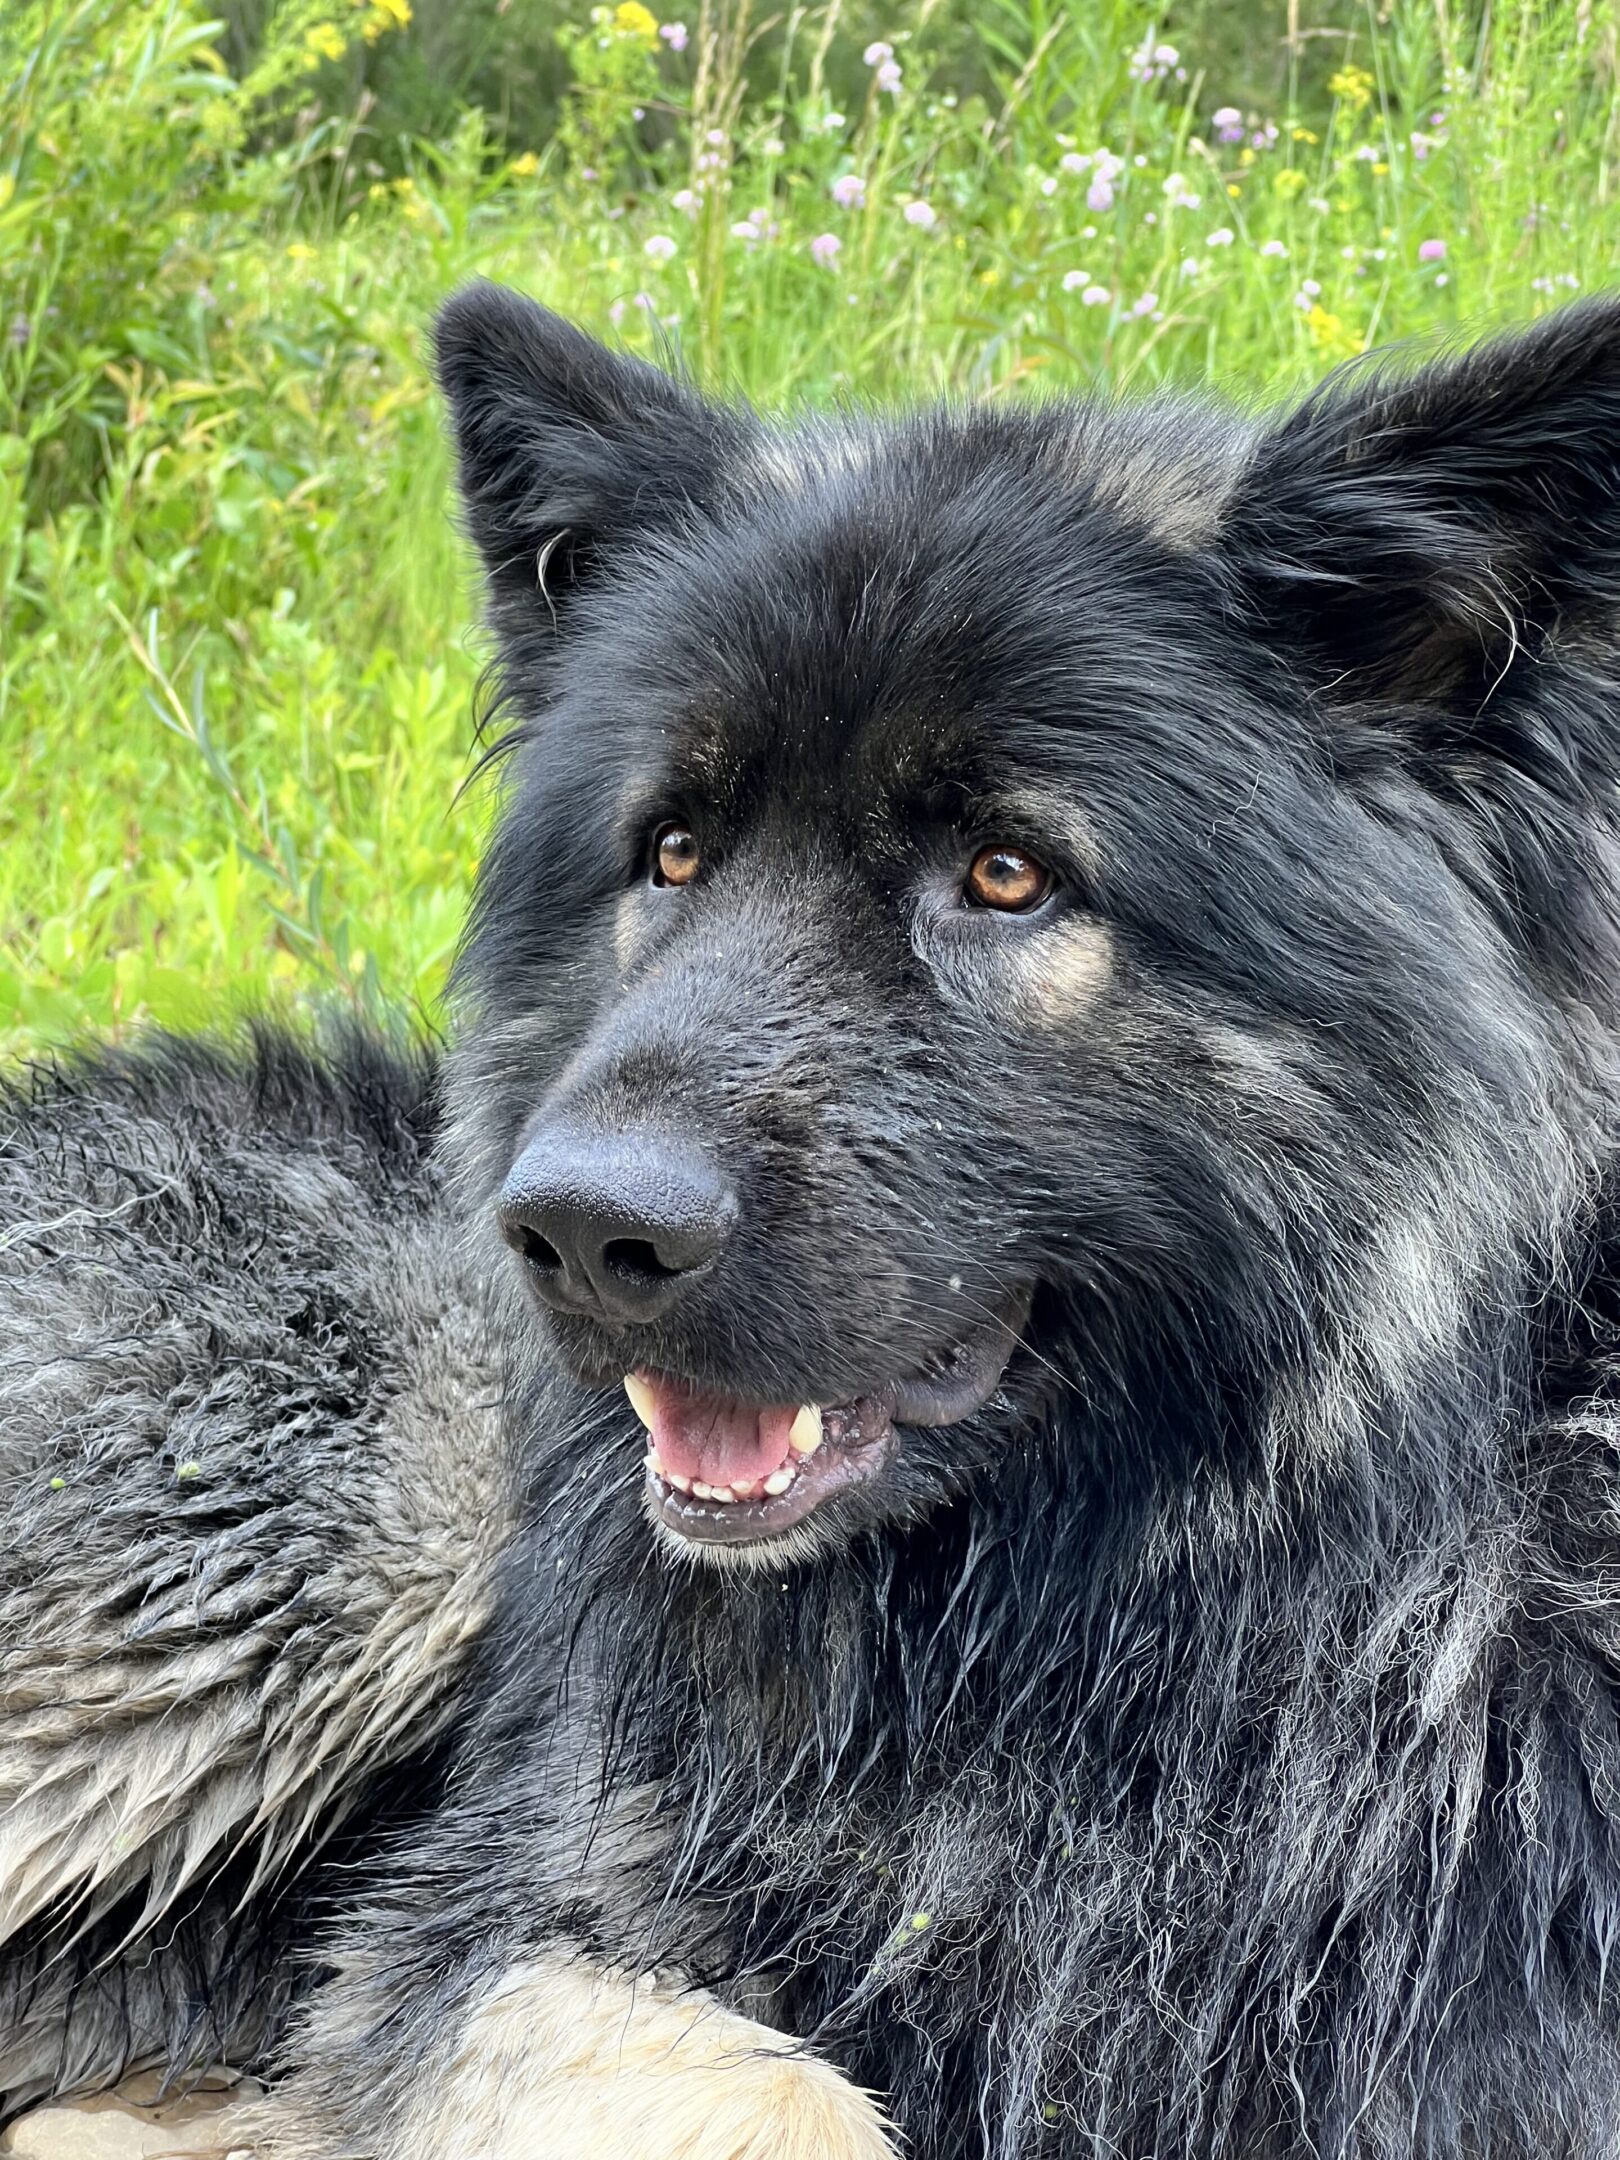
(1045, 999)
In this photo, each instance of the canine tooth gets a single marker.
(653, 1464)
(779, 1481)
(681, 1484)
(641, 1399)
(804, 1435)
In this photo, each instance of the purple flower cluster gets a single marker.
(880, 56)
(1152, 63)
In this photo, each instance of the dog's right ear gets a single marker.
(564, 449)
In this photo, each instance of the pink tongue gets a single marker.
(714, 1438)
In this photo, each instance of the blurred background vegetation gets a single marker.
(236, 668)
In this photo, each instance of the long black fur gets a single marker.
(1212, 1747)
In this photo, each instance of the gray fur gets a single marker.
(250, 1486)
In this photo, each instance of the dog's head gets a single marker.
(1064, 934)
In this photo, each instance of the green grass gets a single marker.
(236, 662)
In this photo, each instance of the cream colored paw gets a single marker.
(130, 2123)
(566, 2061)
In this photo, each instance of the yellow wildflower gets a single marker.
(1304, 135)
(1380, 167)
(1329, 335)
(1352, 85)
(1232, 188)
(633, 20)
(522, 166)
(300, 251)
(1289, 181)
(325, 41)
(383, 16)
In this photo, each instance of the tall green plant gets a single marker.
(235, 679)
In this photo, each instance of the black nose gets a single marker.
(615, 1225)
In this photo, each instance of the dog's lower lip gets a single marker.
(859, 1439)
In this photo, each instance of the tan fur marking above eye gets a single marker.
(567, 2060)
(1061, 973)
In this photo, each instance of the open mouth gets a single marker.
(724, 1470)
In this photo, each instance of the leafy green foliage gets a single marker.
(236, 681)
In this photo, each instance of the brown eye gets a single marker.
(1005, 878)
(676, 856)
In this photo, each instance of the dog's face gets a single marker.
(1003, 924)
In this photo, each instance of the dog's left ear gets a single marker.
(1414, 538)
(565, 450)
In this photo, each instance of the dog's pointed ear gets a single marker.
(564, 450)
(1415, 538)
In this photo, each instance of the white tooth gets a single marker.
(779, 1481)
(749, 1491)
(641, 1398)
(700, 1491)
(681, 1484)
(653, 1464)
(804, 1435)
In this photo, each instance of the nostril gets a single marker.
(537, 1250)
(636, 1258)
